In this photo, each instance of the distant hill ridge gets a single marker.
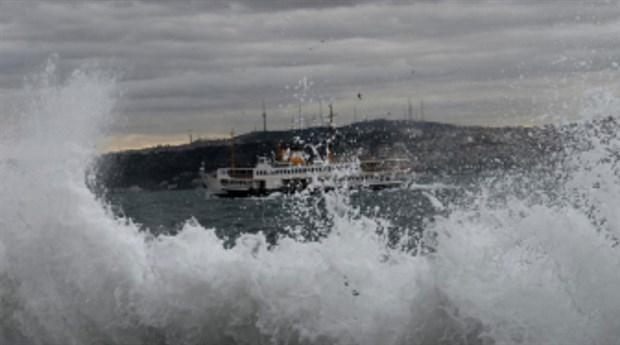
(432, 147)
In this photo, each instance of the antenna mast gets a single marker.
(422, 110)
(232, 148)
(409, 110)
(331, 115)
(264, 118)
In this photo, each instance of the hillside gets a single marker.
(432, 147)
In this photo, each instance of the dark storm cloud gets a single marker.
(206, 63)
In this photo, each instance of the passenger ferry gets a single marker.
(291, 172)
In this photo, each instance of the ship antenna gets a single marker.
(299, 120)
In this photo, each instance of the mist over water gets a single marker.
(528, 259)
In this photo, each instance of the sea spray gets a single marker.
(527, 259)
(73, 273)
(534, 258)
(67, 272)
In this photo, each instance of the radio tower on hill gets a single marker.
(410, 110)
(422, 110)
(264, 118)
(331, 115)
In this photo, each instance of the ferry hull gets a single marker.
(266, 178)
(214, 187)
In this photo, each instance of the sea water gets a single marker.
(511, 258)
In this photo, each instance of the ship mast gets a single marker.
(332, 130)
(300, 121)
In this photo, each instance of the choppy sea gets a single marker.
(519, 257)
(283, 215)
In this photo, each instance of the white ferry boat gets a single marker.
(291, 172)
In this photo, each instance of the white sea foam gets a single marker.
(515, 272)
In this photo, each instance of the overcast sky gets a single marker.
(208, 65)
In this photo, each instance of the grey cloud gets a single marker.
(198, 61)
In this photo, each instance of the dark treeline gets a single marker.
(432, 148)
